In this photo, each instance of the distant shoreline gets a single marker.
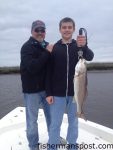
(97, 66)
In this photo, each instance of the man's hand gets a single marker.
(49, 99)
(81, 40)
(49, 47)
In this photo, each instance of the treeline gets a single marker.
(9, 70)
(90, 67)
(100, 66)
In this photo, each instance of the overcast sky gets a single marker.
(16, 18)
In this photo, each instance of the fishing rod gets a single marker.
(82, 31)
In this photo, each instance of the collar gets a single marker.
(35, 42)
(72, 41)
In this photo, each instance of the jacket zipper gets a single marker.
(67, 45)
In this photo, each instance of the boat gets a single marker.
(13, 132)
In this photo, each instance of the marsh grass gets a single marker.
(9, 70)
(100, 66)
(90, 66)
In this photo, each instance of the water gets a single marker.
(99, 103)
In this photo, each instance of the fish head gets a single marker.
(80, 67)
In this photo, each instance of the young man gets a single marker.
(34, 57)
(59, 82)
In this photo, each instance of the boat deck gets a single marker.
(13, 132)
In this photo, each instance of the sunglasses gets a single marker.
(37, 30)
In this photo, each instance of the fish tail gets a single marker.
(82, 116)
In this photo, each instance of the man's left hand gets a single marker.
(49, 47)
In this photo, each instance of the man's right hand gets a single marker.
(49, 47)
(49, 99)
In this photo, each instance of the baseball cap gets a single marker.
(38, 24)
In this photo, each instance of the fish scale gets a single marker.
(80, 86)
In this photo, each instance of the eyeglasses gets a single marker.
(39, 30)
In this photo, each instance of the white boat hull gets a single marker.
(13, 132)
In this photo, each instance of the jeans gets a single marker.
(32, 104)
(57, 110)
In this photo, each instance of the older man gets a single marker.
(34, 57)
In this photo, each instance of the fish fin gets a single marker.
(77, 74)
(74, 100)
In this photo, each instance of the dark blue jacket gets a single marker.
(61, 68)
(33, 64)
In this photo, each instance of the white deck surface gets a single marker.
(13, 132)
